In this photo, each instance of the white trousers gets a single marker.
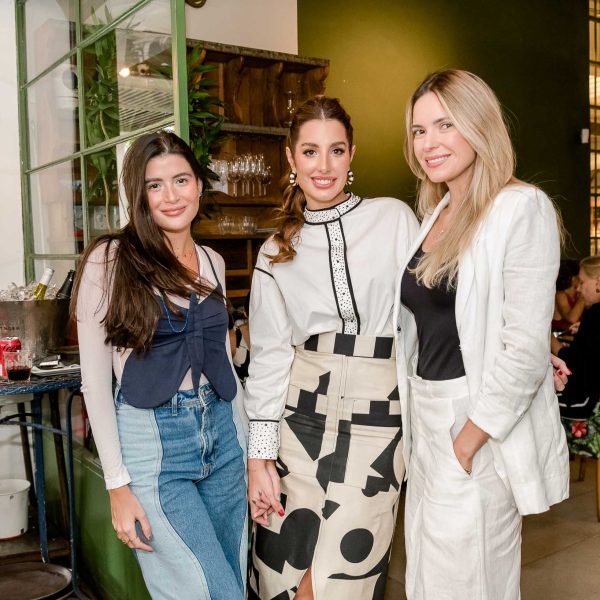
(463, 532)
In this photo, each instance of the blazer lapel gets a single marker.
(466, 279)
(425, 227)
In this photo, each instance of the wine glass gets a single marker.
(255, 167)
(288, 108)
(246, 175)
(264, 178)
(234, 173)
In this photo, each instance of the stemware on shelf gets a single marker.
(234, 174)
(251, 172)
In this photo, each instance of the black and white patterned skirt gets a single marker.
(340, 463)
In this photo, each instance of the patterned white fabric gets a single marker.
(341, 468)
(297, 299)
(325, 215)
(263, 439)
(339, 273)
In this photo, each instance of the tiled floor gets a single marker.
(561, 548)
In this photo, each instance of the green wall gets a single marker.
(533, 53)
(105, 563)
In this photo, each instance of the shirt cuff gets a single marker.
(263, 439)
(119, 480)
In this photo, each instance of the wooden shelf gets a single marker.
(237, 293)
(256, 87)
(227, 200)
(231, 236)
(258, 56)
(254, 129)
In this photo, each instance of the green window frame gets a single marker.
(85, 151)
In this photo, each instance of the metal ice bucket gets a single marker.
(41, 325)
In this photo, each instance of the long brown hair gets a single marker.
(139, 259)
(476, 113)
(290, 217)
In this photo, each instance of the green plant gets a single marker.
(205, 123)
(102, 113)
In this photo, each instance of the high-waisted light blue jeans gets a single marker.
(186, 459)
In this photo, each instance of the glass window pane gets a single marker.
(102, 192)
(53, 115)
(128, 75)
(49, 31)
(98, 13)
(56, 209)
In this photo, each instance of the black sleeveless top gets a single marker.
(440, 357)
(193, 340)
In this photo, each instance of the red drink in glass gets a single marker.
(10, 344)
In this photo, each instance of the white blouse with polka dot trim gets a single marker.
(342, 279)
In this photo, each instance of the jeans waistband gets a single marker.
(206, 395)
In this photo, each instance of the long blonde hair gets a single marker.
(290, 217)
(475, 111)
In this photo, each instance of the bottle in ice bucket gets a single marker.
(66, 287)
(42, 286)
(10, 344)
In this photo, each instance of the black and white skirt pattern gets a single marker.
(340, 463)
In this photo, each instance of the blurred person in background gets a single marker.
(582, 391)
(568, 303)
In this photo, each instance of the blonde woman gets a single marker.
(483, 441)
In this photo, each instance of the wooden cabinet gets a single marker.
(260, 90)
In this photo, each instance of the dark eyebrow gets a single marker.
(153, 179)
(312, 145)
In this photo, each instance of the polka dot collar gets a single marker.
(326, 215)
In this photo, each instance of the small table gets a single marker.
(38, 387)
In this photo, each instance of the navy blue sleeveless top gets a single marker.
(193, 340)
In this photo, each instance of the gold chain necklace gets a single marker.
(185, 255)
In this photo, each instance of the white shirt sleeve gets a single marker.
(96, 368)
(272, 354)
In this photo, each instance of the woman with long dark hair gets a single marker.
(325, 463)
(482, 438)
(151, 311)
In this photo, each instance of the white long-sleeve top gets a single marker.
(342, 279)
(99, 360)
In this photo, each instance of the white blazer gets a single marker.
(504, 306)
